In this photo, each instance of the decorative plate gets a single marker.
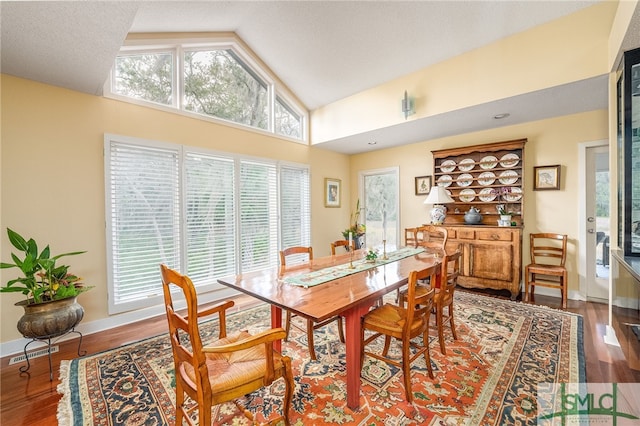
(466, 165)
(486, 178)
(488, 162)
(508, 177)
(514, 195)
(509, 160)
(467, 195)
(487, 195)
(444, 180)
(448, 166)
(464, 179)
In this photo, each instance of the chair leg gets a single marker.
(340, 329)
(527, 283)
(564, 290)
(427, 354)
(312, 350)
(288, 392)
(287, 326)
(179, 403)
(406, 371)
(452, 323)
(387, 344)
(439, 321)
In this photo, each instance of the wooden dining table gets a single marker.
(351, 297)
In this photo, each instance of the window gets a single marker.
(215, 78)
(205, 214)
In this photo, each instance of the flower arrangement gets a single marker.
(502, 192)
(371, 255)
(43, 280)
(357, 229)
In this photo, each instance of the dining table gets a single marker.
(344, 284)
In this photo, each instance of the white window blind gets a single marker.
(144, 219)
(204, 214)
(258, 215)
(295, 202)
(210, 217)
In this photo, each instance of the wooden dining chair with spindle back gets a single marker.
(341, 243)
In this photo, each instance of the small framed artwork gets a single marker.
(332, 192)
(423, 185)
(546, 177)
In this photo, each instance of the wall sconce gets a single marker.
(407, 106)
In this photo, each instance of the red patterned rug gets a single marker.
(489, 376)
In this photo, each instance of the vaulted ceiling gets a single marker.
(322, 50)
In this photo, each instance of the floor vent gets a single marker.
(31, 355)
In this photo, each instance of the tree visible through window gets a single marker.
(145, 76)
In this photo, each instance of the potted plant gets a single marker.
(357, 230)
(50, 289)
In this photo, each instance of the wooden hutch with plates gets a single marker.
(483, 177)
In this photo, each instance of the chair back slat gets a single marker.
(341, 243)
(548, 248)
(432, 238)
(295, 255)
(419, 306)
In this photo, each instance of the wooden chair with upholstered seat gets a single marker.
(444, 296)
(341, 243)
(227, 369)
(548, 256)
(404, 324)
(307, 253)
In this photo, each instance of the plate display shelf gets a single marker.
(482, 176)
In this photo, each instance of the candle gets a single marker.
(384, 225)
(350, 241)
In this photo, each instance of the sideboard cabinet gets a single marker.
(482, 177)
(491, 256)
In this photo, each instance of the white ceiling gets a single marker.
(323, 50)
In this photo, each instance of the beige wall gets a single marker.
(552, 141)
(568, 49)
(53, 175)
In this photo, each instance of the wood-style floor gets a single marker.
(33, 399)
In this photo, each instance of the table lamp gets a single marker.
(438, 197)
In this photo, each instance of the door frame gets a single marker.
(582, 219)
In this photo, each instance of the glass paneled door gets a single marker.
(597, 210)
(379, 193)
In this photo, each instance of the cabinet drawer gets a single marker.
(466, 234)
(494, 235)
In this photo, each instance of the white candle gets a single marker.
(350, 240)
(384, 225)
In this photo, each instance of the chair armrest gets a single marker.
(265, 337)
(221, 310)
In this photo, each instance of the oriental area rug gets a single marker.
(488, 377)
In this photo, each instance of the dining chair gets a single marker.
(306, 253)
(341, 243)
(224, 370)
(410, 238)
(404, 324)
(548, 256)
(433, 238)
(443, 299)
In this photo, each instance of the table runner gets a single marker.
(321, 276)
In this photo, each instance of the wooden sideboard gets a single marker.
(491, 256)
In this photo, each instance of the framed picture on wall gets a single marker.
(423, 185)
(332, 192)
(546, 177)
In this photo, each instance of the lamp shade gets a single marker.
(438, 195)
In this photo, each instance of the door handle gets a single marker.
(590, 219)
(591, 231)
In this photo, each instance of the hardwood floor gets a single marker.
(32, 399)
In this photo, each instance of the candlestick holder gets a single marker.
(384, 250)
(351, 259)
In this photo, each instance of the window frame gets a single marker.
(147, 43)
(183, 152)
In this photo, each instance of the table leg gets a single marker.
(276, 322)
(353, 347)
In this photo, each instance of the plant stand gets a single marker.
(48, 339)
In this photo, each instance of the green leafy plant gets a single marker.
(356, 229)
(43, 280)
(371, 255)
